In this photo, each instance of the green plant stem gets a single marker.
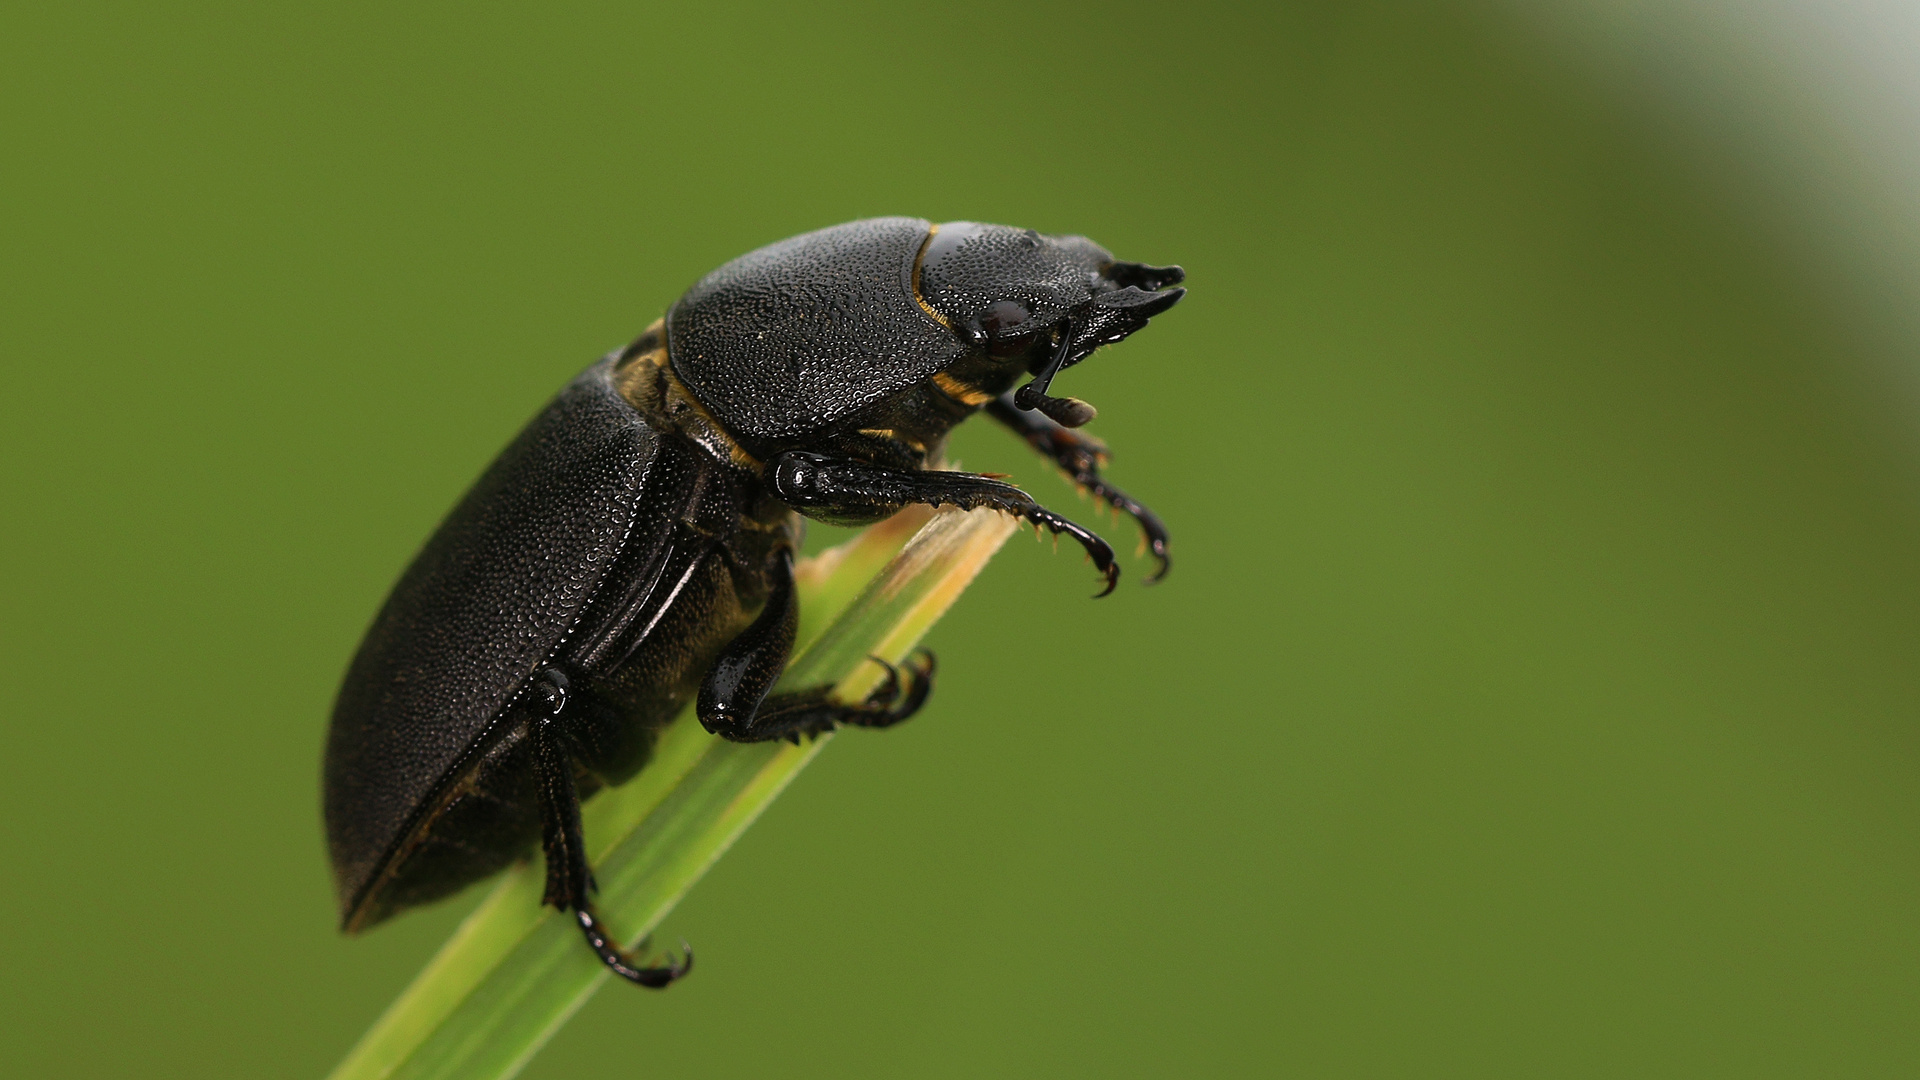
(514, 972)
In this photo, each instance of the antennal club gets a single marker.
(1066, 411)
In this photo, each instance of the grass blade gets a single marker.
(514, 972)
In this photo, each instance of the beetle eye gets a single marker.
(1003, 318)
(1006, 325)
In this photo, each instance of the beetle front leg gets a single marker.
(569, 879)
(1081, 457)
(844, 487)
(735, 700)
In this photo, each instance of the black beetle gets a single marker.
(634, 545)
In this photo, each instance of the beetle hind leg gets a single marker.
(621, 963)
(569, 878)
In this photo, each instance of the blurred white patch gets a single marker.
(1814, 105)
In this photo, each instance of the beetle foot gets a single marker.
(1153, 534)
(890, 703)
(808, 714)
(1097, 549)
(621, 964)
(1081, 457)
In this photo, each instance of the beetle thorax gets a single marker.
(645, 378)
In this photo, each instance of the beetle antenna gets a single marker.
(1067, 412)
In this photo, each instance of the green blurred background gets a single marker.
(1534, 693)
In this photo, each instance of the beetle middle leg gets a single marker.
(735, 700)
(569, 879)
(842, 487)
(1081, 458)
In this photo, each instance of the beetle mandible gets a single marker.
(633, 548)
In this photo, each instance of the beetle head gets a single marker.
(1037, 303)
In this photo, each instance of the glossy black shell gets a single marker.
(787, 339)
(574, 530)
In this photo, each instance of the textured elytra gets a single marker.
(482, 606)
(787, 339)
